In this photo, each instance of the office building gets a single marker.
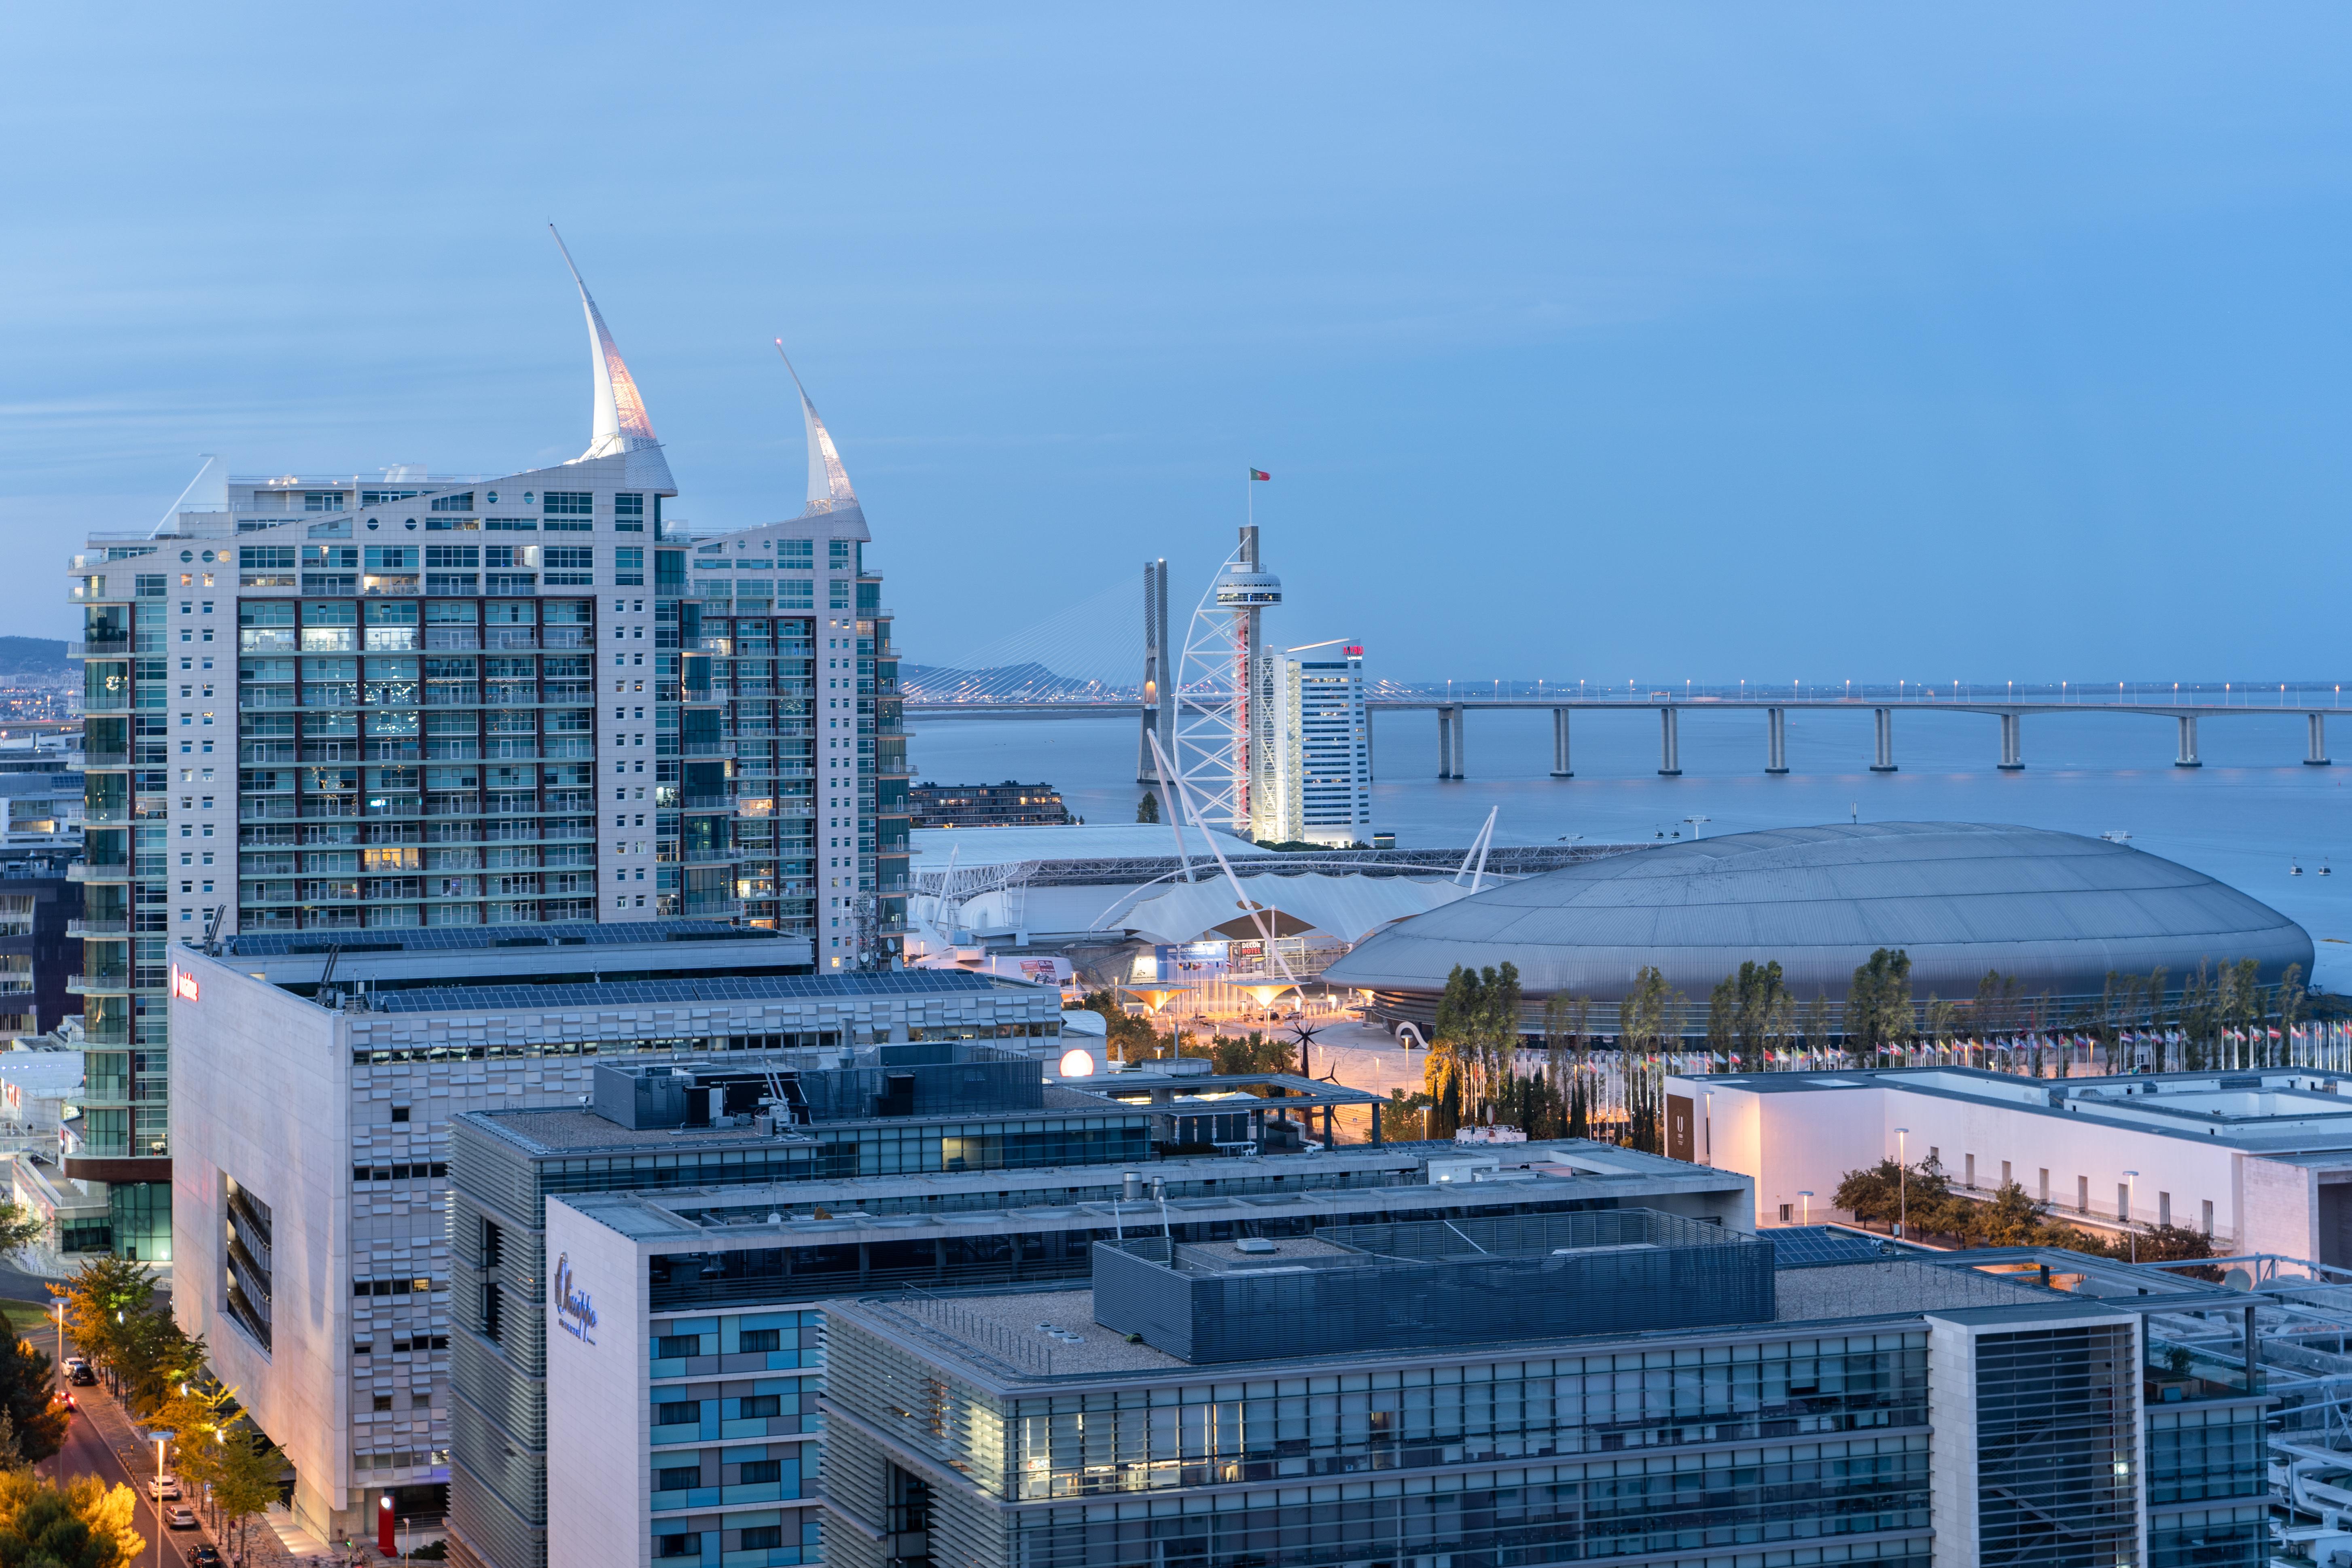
(681, 1422)
(321, 1073)
(348, 705)
(1616, 1386)
(2260, 1161)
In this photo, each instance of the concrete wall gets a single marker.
(261, 1092)
(599, 1416)
(1794, 1141)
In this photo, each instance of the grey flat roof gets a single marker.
(1390, 1174)
(977, 1328)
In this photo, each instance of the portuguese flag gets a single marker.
(1260, 474)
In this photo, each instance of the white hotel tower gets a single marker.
(338, 704)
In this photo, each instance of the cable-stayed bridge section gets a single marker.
(1084, 661)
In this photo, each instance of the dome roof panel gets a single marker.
(2056, 909)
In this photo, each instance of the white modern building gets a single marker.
(357, 704)
(2261, 1161)
(1326, 766)
(318, 1078)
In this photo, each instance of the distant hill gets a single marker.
(33, 656)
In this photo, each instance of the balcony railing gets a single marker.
(88, 927)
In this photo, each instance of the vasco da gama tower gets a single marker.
(342, 704)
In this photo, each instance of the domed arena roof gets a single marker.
(2056, 911)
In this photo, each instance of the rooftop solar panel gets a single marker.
(701, 988)
(1802, 1246)
(452, 939)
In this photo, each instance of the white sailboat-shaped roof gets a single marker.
(829, 481)
(619, 426)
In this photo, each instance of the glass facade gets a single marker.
(758, 692)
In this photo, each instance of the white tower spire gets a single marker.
(829, 482)
(618, 423)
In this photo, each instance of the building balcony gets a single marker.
(83, 871)
(116, 984)
(707, 749)
(713, 857)
(87, 927)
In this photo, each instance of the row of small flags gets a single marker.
(2331, 1035)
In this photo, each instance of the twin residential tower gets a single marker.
(332, 706)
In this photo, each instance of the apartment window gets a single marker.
(677, 1477)
(763, 1538)
(762, 1472)
(629, 566)
(383, 1402)
(322, 500)
(462, 503)
(569, 503)
(677, 1412)
(2123, 1202)
(761, 1406)
(687, 1545)
(569, 565)
(1969, 1163)
(2209, 1216)
(2164, 1208)
(2082, 1195)
(493, 1244)
(674, 1347)
(2043, 1193)
(2004, 1174)
(760, 1340)
(1784, 1214)
(400, 1112)
(629, 513)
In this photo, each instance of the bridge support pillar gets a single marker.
(2188, 757)
(1670, 751)
(2316, 757)
(1883, 723)
(1776, 739)
(1559, 768)
(1449, 741)
(2012, 745)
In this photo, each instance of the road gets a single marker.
(87, 1452)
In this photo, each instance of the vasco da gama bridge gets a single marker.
(1154, 701)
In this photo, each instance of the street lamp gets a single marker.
(1902, 1179)
(57, 1311)
(1807, 1199)
(160, 1438)
(2131, 1202)
(1695, 822)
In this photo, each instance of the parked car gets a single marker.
(75, 1362)
(204, 1555)
(82, 1377)
(180, 1518)
(164, 1488)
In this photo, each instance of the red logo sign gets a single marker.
(184, 984)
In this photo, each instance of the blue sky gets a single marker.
(1654, 343)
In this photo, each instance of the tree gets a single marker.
(1147, 809)
(99, 1302)
(251, 1479)
(1878, 1004)
(37, 1423)
(19, 1226)
(1440, 1080)
(83, 1524)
